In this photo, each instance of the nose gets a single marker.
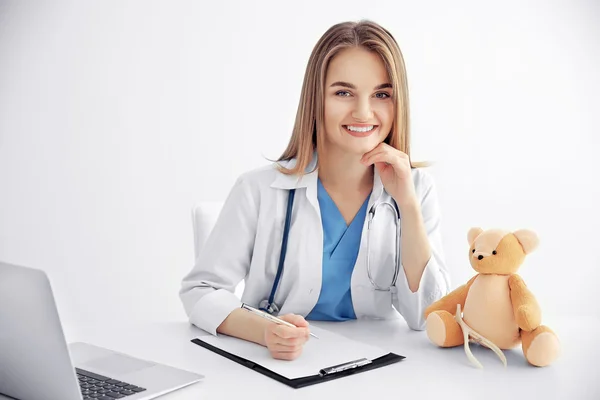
(363, 111)
(480, 255)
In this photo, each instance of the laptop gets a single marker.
(36, 362)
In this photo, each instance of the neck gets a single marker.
(344, 172)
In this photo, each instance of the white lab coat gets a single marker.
(245, 244)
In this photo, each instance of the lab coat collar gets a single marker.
(283, 181)
(309, 179)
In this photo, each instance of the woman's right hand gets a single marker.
(285, 342)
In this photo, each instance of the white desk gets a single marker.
(427, 372)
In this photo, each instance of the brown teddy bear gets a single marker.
(498, 310)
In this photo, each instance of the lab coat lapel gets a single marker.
(308, 180)
(306, 240)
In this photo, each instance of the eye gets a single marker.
(494, 252)
(473, 251)
(385, 95)
(342, 93)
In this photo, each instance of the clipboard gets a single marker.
(326, 374)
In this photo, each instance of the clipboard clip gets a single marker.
(345, 366)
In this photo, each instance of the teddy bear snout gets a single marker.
(480, 255)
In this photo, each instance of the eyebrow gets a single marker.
(351, 86)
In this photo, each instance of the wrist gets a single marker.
(409, 205)
(242, 324)
(260, 326)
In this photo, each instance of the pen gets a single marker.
(268, 316)
(343, 367)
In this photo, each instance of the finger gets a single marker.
(281, 348)
(293, 342)
(394, 158)
(380, 147)
(286, 356)
(287, 332)
(383, 157)
(399, 153)
(366, 159)
(294, 319)
(384, 148)
(377, 150)
(373, 159)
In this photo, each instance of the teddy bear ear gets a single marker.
(473, 233)
(529, 240)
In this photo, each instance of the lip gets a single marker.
(361, 134)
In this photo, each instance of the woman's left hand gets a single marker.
(395, 171)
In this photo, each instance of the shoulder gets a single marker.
(515, 280)
(261, 179)
(252, 187)
(260, 176)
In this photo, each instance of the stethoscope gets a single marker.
(269, 306)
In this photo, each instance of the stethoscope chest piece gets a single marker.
(270, 308)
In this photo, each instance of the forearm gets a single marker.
(244, 325)
(414, 244)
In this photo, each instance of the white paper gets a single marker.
(329, 350)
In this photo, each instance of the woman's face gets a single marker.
(359, 109)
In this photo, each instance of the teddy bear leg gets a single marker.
(443, 330)
(540, 346)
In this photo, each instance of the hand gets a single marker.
(395, 172)
(285, 342)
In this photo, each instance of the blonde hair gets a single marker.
(310, 114)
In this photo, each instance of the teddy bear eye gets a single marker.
(494, 252)
(473, 250)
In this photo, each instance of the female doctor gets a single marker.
(343, 225)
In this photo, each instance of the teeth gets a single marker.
(359, 129)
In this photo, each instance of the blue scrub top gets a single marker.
(340, 249)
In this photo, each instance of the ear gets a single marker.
(529, 240)
(473, 233)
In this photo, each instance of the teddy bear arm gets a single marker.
(528, 314)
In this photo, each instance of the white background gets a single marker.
(117, 116)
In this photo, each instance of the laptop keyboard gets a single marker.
(94, 386)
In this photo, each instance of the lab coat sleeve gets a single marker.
(207, 292)
(435, 281)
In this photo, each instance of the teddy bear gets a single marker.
(494, 307)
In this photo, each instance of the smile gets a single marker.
(360, 130)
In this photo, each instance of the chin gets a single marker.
(366, 145)
(359, 149)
